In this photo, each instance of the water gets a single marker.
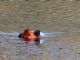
(43, 34)
(13, 48)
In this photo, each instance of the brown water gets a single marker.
(46, 15)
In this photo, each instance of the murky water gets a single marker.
(60, 18)
(16, 49)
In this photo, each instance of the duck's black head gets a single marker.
(37, 32)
